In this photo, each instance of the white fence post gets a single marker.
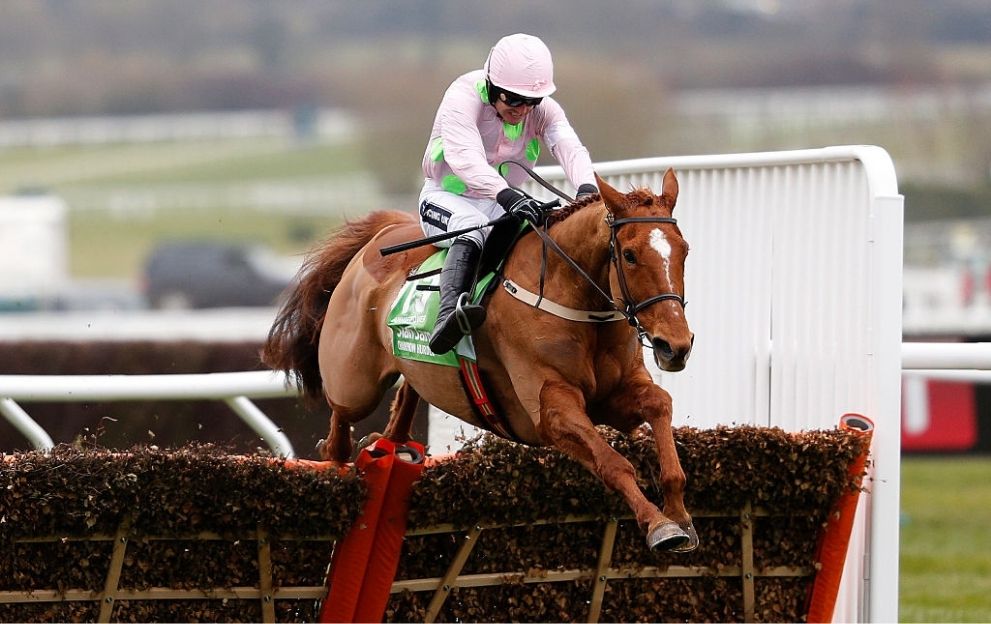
(257, 420)
(30, 429)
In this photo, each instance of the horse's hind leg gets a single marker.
(402, 413)
(337, 446)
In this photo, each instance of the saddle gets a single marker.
(414, 312)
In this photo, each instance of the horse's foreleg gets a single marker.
(650, 403)
(401, 414)
(655, 406)
(565, 424)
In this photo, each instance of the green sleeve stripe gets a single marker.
(437, 150)
(453, 184)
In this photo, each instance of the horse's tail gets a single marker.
(293, 339)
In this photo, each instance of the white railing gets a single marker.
(968, 362)
(234, 389)
(947, 356)
(939, 361)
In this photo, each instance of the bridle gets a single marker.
(615, 253)
(630, 306)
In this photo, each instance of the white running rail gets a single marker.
(949, 356)
(232, 388)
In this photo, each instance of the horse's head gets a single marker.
(648, 275)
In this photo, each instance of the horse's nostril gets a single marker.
(663, 348)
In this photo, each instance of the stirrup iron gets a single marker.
(459, 314)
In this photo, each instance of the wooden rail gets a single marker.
(441, 586)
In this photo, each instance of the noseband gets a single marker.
(630, 307)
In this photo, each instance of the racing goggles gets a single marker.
(513, 99)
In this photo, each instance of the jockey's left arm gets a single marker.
(564, 144)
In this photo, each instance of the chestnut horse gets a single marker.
(554, 379)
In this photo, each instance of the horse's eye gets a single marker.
(629, 256)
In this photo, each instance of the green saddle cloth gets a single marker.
(414, 313)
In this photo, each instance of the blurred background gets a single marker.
(152, 153)
(262, 122)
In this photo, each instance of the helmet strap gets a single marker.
(489, 87)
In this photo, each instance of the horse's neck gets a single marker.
(584, 237)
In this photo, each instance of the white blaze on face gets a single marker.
(660, 244)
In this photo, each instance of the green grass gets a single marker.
(945, 540)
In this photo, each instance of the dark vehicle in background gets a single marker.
(208, 274)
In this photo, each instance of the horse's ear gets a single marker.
(613, 199)
(669, 188)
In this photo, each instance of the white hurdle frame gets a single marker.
(795, 286)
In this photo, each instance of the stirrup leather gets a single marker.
(460, 315)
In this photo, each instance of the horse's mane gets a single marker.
(558, 216)
(639, 196)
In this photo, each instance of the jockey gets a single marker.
(488, 116)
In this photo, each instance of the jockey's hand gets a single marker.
(520, 206)
(585, 190)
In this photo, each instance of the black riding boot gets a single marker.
(457, 316)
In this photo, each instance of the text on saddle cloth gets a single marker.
(414, 313)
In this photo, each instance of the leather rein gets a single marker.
(630, 306)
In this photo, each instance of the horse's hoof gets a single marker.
(667, 536)
(320, 446)
(693, 540)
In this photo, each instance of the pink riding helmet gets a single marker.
(521, 64)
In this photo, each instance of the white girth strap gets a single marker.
(584, 316)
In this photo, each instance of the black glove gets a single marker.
(586, 189)
(520, 206)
